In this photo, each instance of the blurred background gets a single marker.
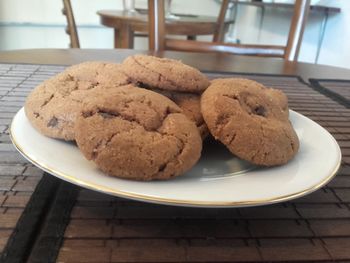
(40, 24)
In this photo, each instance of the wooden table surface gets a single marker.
(208, 62)
(43, 219)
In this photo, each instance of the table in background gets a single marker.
(125, 25)
(73, 224)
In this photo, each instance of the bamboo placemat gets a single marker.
(18, 178)
(338, 89)
(80, 225)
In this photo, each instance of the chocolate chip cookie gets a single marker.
(251, 120)
(164, 73)
(135, 133)
(52, 107)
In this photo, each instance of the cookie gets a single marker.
(135, 133)
(52, 107)
(250, 120)
(164, 73)
(190, 105)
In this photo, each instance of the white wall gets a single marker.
(40, 24)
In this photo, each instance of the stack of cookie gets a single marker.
(145, 118)
(173, 79)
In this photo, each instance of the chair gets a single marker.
(159, 42)
(71, 28)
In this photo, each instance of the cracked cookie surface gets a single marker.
(135, 133)
(251, 120)
(164, 73)
(52, 106)
(190, 104)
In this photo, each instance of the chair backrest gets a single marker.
(159, 42)
(71, 28)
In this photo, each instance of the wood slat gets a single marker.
(18, 178)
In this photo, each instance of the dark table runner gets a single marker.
(79, 225)
(338, 89)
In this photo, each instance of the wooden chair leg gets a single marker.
(71, 26)
(156, 25)
(220, 32)
(301, 11)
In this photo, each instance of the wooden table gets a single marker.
(125, 24)
(44, 219)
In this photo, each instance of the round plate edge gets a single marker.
(175, 202)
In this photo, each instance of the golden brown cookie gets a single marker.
(164, 73)
(250, 120)
(190, 104)
(52, 107)
(135, 133)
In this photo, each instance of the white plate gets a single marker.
(218, 180)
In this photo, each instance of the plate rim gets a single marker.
(176, 202)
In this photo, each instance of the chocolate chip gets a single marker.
(161, 168)
(260, 110)
(53, 122)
